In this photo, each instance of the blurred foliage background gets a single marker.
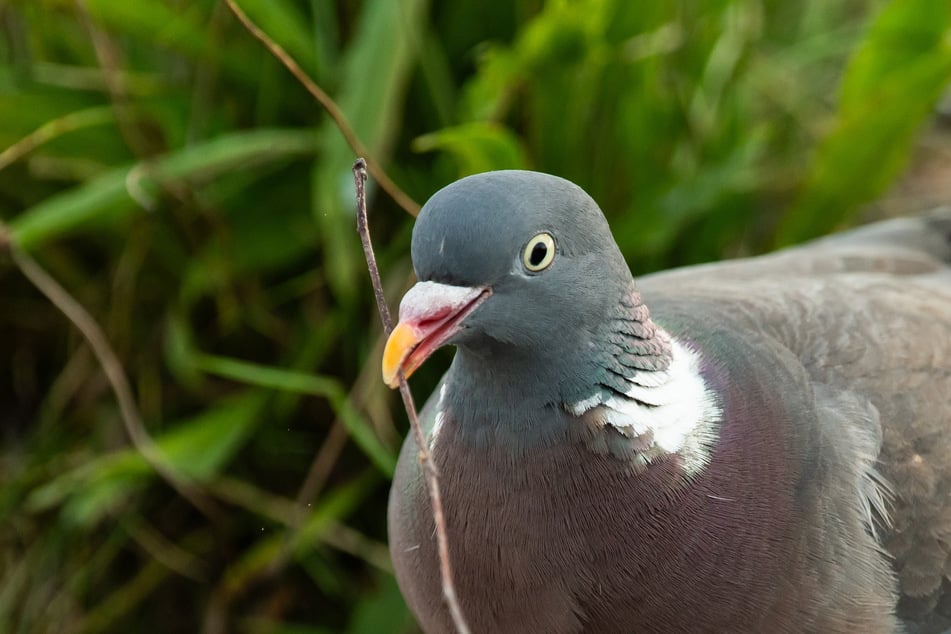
(177, 180)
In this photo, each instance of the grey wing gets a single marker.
(868, 315)
(903, 246)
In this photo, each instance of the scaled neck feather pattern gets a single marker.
(654, 393)
(648, 398)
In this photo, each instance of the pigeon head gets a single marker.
(514, 268)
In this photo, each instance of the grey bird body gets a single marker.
(806, 488)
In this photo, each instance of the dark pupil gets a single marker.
(539, 251)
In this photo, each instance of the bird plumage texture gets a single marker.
(805, 488)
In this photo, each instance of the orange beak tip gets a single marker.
(399, 345)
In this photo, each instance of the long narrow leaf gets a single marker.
(892, 83)
(110, 195)
(321, 386)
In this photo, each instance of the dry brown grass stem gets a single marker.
(331, 108)
(112, 367)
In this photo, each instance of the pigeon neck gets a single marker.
(656, 413)
(526, 397)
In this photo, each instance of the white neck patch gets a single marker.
(440, 417)
(674, 405)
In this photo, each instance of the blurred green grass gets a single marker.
(175, 178)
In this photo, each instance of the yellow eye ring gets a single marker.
(539, 253)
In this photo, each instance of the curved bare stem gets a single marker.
(332, 109)
(111, 366)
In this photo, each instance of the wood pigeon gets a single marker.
(761, 445)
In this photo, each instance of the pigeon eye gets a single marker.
(539, 252)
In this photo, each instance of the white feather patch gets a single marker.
(440, 417)
(675, 406)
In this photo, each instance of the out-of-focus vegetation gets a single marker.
(175, 178)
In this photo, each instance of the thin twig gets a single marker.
(316, 477)
(429, 468)
(332, 109)
(128, 120)
(109, 58)
(320, 469)
(112, 368)
(168, 553)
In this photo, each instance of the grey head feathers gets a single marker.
(471, 231)
(545, 338)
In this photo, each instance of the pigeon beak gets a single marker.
(430, 314)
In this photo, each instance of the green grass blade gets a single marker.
(196, 449)
(109, 195)
(890, 87)
(377, 68)
(320, 386)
